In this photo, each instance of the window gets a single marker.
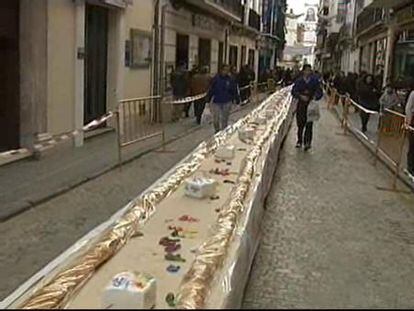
(140, 54)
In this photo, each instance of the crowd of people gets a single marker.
(198, 81)
(229, 87)
(368, 91)
(224, 89)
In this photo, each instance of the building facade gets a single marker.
(273, 33)
(301, 36)
(373, 36)
(67, 62)
(328, 53)
(207, 33)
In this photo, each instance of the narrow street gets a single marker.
(150, 156)
(331, 239)
(34, 238)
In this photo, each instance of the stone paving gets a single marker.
(331, 239)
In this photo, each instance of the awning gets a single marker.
(388, 4)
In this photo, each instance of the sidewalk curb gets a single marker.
(27, 205)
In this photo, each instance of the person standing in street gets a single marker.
(389, 98)
(244, 78)
(368, 96)
(199, 84)
(409, 121)
(222, 93)
(180, 86)
(305, 89)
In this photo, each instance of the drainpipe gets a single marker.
(226, 43)
(162, 51)
(155, 51)
(389, 59)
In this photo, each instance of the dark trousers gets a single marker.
(187, 107)
(410, 154)
(304, 127)
(364, 120)
(245, 93)
(199, 106)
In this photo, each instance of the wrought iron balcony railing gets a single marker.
(370, 17)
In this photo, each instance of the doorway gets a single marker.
(233, 56)
(204, 52)
(9, 75)
(182, 47)
(96, 64)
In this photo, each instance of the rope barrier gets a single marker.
(66, 136)
(187, 100)
(362, 108)
(60, 138)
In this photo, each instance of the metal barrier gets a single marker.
(390, 140)
(139, 119)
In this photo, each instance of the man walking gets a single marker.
(305, 89)
(223, 92)
(200, 83)
(180, 86)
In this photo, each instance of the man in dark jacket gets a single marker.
(200, 82)
(180, 86)
(368, 97)
(244, 78)
(305, 89)
(223, 92)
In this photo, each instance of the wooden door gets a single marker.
(9, 75)
(96, 62)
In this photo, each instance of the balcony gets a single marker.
(233, 6)
(228, 9)
(254, 20)
(370, 18)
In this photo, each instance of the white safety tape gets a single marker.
(363, 108)
(188, 99)
(244, 88)
(66, 136)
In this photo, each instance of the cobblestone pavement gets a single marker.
(32, 239)
(331, 239)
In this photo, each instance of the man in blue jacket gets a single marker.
(222, 93)
(306, 88)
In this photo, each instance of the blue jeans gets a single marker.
(221, 113)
